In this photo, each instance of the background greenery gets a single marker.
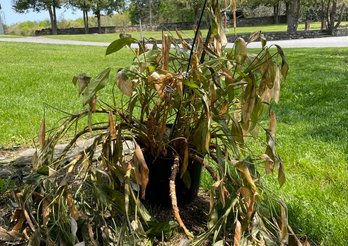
(312, 121)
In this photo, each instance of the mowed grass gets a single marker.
(312, 139)
(312, 135)
(185, 33)
(34, 74)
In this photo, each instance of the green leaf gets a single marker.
(119, 44)
(95, 85)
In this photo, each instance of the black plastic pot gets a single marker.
(157, 191)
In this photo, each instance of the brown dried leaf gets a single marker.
(73, 210)
(246, 174)
(42, 133)
(28, 219)
(112, 128)
(237, 132)
(249, 103)
(284, 235)
(45, 212)
(237, 234)
(93, 104)
(269, 163)
(124, 83)
(276, 86)
(165, 51)
(281, 174)
(144, 170)
(272, 123)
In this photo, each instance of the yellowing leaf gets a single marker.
(240, 50)
(144, 170)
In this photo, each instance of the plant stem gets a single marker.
(173, 198)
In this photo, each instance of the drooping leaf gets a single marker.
(81, 80)
(284, 66)
(42, 133)
(96, 84)
(281, 174)
(124, 83)
(237, 132)
(249, 103)
(237, 233)
(240, 50)
(45, 212)
(272, 123)
(243, 169)
(254, 36)
(284, 235)
(144, 170)
(276, 87)
(119, 44)
(269, 163)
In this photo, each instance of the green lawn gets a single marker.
(313, 141)
(312, 132)
(186, 34)
(34, 74)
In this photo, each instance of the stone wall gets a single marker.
(296, 35)
(163, 26)
(259, 21)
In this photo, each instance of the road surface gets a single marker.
(294, 43)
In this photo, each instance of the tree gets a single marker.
(335, 10)
(85, 6)
(273, 3)
(22, 6)
(293, 14)
(108, 6)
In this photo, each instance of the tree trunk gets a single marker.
(85, 20)
(293, 14)
(332, 15)
(276, 10)
(323, 17)
(340, 16)
(53, 19)
(99, 21)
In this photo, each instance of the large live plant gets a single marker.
(198, 101)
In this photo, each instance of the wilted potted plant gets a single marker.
(185, 106)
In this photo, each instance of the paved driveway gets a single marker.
(295, 43)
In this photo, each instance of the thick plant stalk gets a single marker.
(172, 193)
